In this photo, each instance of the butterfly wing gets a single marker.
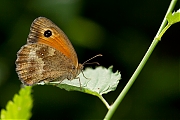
(48, 54)
(39, 62)
(57, 40)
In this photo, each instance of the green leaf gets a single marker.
(173, 17)
(97, 82)
(20, 107)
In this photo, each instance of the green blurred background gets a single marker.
(120, 30)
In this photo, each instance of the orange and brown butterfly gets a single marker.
(47, 56)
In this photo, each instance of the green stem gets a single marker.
(163, 31)
(139, 68)
(131, 81)
(104, 101)
(170, 9)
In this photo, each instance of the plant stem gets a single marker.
(141, 65)
(163, 31)
(131, 81)
(104, 101)
(170, 9)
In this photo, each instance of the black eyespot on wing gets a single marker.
(47, 33)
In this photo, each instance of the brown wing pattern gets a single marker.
(39, 62)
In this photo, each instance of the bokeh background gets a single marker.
(120, 30)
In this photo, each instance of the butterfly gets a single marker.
(47, 56)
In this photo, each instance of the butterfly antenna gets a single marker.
(90, 63)
(91, 59)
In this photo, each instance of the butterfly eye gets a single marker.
(73, 67)
(47, 33)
